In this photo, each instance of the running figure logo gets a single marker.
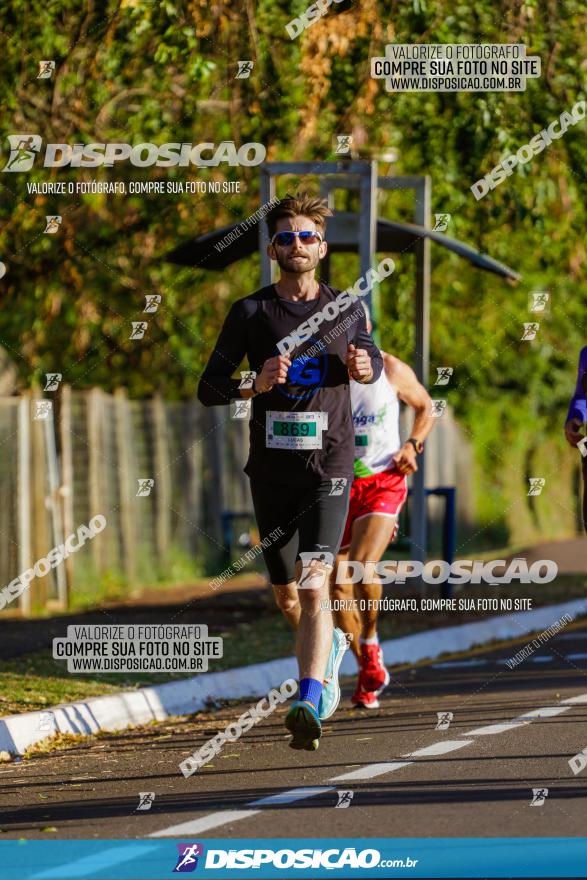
(145, 486)
(314, 577)
(46, 69)
(244, 69)
(441, 222)
(188, 857)
(343, 144)
(539, 300)
(344, 799)
(146, 800)
(152, 301)
(444, 719)
(53, 223)
(536, 485)
(539, 795)
(138, 329)
(578, 762)
(53, 380)
(438, 409)
(444, 374)
(23, 148)
(338, 485)
(43, 409)
(247, 379)
(530, 331)
(46, 721)
(240, 409)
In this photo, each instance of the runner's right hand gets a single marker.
(274, 372)
(572, 431)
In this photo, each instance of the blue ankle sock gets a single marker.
(310, 690)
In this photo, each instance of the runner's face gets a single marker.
(298, 258)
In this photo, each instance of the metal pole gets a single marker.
(267, 190)
(327, 192)
(24, 495)
(449, 535)
(422, 253)
(368, 234)
(55, 505)
(66, 435)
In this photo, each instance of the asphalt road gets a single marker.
(407, 777)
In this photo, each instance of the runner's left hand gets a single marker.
(405, 460)
(358, 363)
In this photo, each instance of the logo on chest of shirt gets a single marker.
(376, 419)
(307, 372)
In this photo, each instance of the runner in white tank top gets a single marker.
(382, 465)
(376, 420)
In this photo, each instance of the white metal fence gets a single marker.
(92, 455)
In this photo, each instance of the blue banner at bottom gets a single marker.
(285, 857)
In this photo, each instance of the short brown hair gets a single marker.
(303, 204)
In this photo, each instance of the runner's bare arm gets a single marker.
(412, 392)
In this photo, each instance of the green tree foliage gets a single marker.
(141, 71)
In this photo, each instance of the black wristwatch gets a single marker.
(417, 444)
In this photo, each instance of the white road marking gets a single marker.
(371, 770)
(198, 826)
(294, 794)
(520, 721)
(545, 712)
(546, 658)
(439, 748)
(582, 698)
(577, 636)
(576, 657)
(494, 728)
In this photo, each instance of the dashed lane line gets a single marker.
(372, 770)
(198, 826)
(520, 721)
(369, 771)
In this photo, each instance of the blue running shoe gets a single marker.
(330, 697)
(304, 724)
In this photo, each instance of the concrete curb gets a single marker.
(131, 708)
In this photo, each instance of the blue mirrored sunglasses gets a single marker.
(284, 239)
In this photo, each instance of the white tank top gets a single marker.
(376, 420)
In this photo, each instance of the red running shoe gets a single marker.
(373, 677)
(366, 699)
